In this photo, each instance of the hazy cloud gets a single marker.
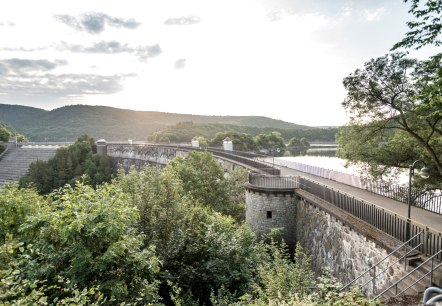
(180, 64)
(184, 20)
(112, 47)
(23, 49)
(146, 52)
(6, 23)
(17, 66)
(279, 8)
(95, 23)
(275, 15)
(24, 79)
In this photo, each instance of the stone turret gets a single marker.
(271, 204)
(101, 147)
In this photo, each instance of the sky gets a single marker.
(283, 59)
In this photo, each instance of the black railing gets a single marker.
(429, 243)
(383, 219)
(427, 200)
(273, 181)
(248, 162)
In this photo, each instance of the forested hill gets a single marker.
(69, 122)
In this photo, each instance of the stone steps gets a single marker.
(15, 163)
(416, 282)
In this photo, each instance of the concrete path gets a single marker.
(427, 218)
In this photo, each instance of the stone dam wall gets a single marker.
(336, 240)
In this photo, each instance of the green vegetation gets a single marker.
(68, 166)
(7, 134)
(396, 106)
(400, 98)
(149, 237)
(427, 27)
(241, 141)
(184, 132)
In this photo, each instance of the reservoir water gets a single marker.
(324, 156)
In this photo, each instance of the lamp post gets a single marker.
(273, 155)
(423, 173)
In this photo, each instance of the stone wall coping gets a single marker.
(379, 237)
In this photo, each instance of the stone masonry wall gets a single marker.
(282, 209)
(336, 246)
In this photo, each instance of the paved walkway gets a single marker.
(427, 218)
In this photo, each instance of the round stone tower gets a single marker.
(101, 147)
(271, 203)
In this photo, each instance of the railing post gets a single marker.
(374, 280)
(431, 272)
(426, 240)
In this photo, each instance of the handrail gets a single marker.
(4, 152)
(411, 272)
(381, 261)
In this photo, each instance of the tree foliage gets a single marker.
(85, 237)
(241, 141)
(67, 167)
(427, 27)
(397, 102)
(146, 239)
(203, 179)
(270, 141)
(7, 133)
(201, 250)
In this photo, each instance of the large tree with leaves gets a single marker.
(394, 103)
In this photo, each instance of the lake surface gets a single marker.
(325, 157)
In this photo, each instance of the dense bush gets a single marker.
(68, 166)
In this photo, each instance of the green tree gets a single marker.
(200, 250)
(270, 141)
(203, 179)
(85, 237)
(5, 135)
(241, 141)
(203, 141)
(396, 100)
(68, 165)
(427, 27)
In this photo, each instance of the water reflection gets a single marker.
(314, 150)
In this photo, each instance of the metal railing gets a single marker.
(383, 219)
(387, 221)
(273, 182)
(426, 200)
(248, 162)
(375, 268)
(413, 272)
(4, 152)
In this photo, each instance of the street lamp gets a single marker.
(273, 155)
(423, 173)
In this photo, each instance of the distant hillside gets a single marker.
(69, 122)
(17, 113)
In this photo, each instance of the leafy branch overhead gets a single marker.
(427, 27)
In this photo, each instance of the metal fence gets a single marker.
(425, 200)
(247, 161)
(385, 220)
(273, 181)
(429, 243)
